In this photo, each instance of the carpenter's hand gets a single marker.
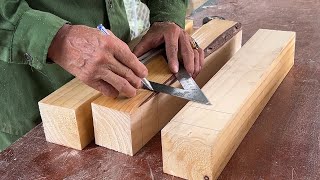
(102, 62)
(175, 39)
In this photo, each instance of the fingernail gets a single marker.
(175, 69)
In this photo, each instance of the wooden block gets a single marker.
(200, 139)
(66, 113)
(126, 125)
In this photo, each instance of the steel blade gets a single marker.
(187, 82)
(185, 79)
(190, 94)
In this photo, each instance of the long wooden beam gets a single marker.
(200, 139)
(126, 125)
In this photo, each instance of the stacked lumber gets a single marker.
(200, 140)
(126, 125)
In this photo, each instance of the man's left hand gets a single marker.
(176, 41)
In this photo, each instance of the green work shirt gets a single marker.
(27, 28)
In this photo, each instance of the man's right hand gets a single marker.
(102, 62)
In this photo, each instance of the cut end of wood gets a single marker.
(66, 115)
(112, 129)
(184, 146)
(58, 123)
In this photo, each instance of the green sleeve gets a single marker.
(168, 10)
(26, 34)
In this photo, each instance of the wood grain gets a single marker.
(66, 115)
(126, 125)
(200, 140)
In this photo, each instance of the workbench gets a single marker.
(284, 142)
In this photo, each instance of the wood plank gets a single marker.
(126, 125)
(200, 140)
(66, 113)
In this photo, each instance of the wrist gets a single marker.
(57, 40)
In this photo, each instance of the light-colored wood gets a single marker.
(194, 4)
(189, 26)
(199, 141)
(126, 125)
(66, 113)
